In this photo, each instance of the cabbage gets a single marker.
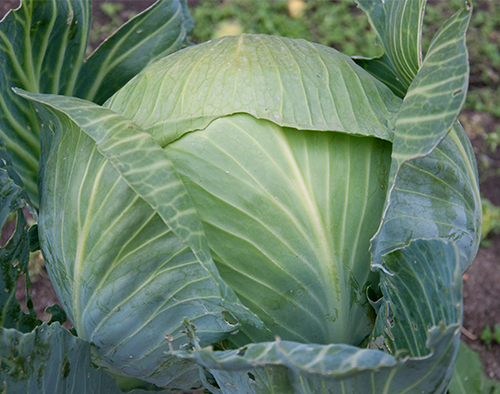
(259, 214)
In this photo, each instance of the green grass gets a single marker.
(337, 24)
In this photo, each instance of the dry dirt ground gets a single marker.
(481, 282)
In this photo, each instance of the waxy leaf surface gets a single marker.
(292, 83)
(282, 366)
(42, 49)
(49, 360)
(128, 255)
(434, 191)
(398, 28)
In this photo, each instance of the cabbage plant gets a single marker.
(259, 214)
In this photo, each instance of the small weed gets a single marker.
(488, 335)
(493, 140)
(496, 333)
(483, 129)
(486, 161)
(491, 220)
(112, 10)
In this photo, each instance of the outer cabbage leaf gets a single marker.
(51, 360)
(290, 82)
(28, 36)
(398, 28)
(469, 377)
(434, 191)
(14, 259)
(124, 246)
(14, 254)
(42, 47)
(436, 94)
(445, 202)
(156, 32)
(423, 361)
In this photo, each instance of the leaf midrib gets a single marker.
(312, 211)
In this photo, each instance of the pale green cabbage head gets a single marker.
(284, 147)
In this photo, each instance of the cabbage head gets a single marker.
(258, 214)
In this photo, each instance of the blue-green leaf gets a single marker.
(435, 192)
(49, 360)
(42, 45)
(422, 288)
(14, 259)
(437, 93)
(42, 49)
(435, 196)
(156, 32)
(14, 254)
(469, 377)
(124, 245)
(398, 28)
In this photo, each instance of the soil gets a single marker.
(481, 282)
